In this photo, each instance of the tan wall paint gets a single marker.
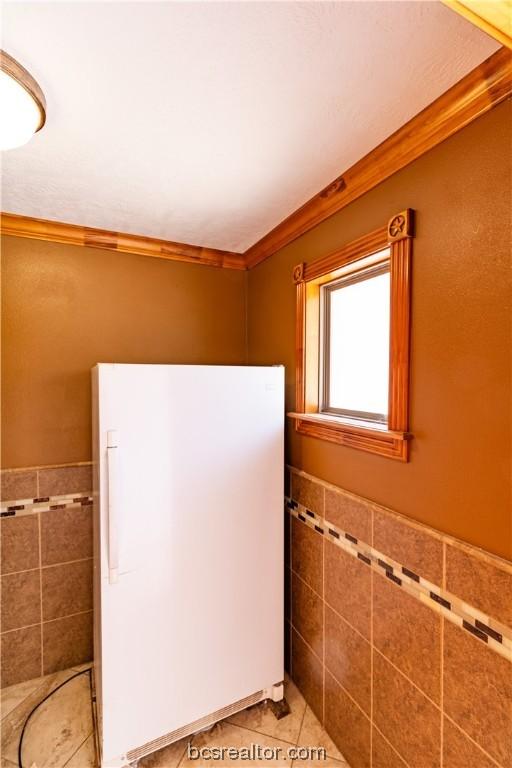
(65, 308)
(458, 478)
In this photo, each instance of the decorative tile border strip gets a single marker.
(22, 507)
(496, 635)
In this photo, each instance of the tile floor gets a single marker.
(60, 733)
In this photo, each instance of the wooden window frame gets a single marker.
(391, 440)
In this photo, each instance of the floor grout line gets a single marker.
(300, 730)
(275, 737)
(77, 749)
(180, 761)
(260, 733)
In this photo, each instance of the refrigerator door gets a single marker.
(189, 596)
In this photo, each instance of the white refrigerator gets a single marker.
(188, 549)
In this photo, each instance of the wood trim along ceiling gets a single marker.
(492, 16)
(58, 232)
(480, 90)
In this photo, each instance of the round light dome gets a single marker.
(22, 104)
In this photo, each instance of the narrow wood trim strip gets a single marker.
(357, 249)
(492, 16)
(478, 92)
(72, 234)
(300, 347)
(391, 444)
(400, 332)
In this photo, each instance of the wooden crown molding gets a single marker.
(478, 92)
(72, 234)
(492, 16)
(483, 88)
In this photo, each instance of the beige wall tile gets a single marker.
(307, 615)
(347, 584)
(66, 534)
(475, 580)
(67, 589)
(307, 554)
(350, 513)
(409, 545)
(21, 600)
(61, 480)
(18, 484)
(346, 724)
(348, 658)
(478, 692)
(308, 493)
(21, 655)
(67, 642)
(405, 716)
(307, 674)
(460, 752)
(19, 543)
(409, 634)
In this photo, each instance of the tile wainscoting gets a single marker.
(46, 570)
(398, 636)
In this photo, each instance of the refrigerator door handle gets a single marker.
(113, 548)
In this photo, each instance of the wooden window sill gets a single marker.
(373, 439)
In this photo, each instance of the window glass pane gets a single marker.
(359, 346)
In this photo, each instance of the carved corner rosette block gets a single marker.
(298, 273)
(401, 226)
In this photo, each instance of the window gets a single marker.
(352, 374)
(355, 345)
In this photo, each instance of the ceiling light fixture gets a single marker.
(22, 104)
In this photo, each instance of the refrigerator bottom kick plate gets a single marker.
(274, 693)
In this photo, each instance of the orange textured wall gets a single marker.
(65, 308)
(458, 479)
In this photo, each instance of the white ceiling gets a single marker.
(210, 122)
